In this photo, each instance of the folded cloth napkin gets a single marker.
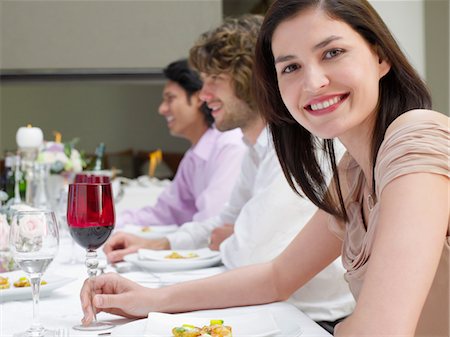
(255, 324)
(188, 255)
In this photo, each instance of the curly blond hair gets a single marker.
(229, 49)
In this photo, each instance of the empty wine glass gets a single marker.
(34, 241)
(90, 216)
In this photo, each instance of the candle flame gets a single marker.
(155, 158)
(29, 126)
(58, 136)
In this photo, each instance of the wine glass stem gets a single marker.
(92, 264)
(35, 288)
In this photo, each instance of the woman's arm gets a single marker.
(311, 251)
(409, 239)
(261, 283)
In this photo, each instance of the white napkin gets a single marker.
(161, 255)
(257, 324)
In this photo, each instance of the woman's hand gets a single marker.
(121, 244)
(116, 295)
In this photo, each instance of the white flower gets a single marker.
(4, 232)
(76, 161)
(32, 226)
(48, 157)
(54, 155)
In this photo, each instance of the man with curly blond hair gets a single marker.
(229, 49)
(263, 214)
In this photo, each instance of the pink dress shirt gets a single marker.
(202, 184)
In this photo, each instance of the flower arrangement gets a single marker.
(62, 157)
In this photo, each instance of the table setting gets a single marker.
(173, 260)
(51, 252)
(60, 311)
(60, 307)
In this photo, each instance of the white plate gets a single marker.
(171, 265)
(256, 324)
(153, 232)
(284, 318)
(15, 294)
(161, 255)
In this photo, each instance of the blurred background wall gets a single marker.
(92, 69)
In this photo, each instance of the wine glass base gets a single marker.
(94, 326)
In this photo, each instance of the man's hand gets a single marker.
(121, 244)
(219, 234)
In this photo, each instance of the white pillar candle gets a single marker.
(29, 137)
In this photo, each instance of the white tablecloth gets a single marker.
(61, 308)
(138, 193)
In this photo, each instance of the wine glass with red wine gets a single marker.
(90, 216)
(90, 178)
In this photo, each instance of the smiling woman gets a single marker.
(322, 72)
(338, 72)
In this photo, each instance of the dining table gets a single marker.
(60, 309)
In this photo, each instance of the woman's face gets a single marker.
(327, 74)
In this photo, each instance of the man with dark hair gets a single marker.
(180, 73)
(207, 172)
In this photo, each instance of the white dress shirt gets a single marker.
(267, 215)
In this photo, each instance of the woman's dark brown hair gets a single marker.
(401, 89)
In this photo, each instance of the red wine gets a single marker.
(91, 237)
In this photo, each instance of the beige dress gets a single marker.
(413, 147)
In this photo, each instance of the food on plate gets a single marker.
(214, 329)
(20, 283)
(24, 282)
(146, 229)
(4, 283)
(176, 255)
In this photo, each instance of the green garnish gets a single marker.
(189, 326)
(216, 322)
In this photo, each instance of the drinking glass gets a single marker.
(90, 216)
(34, 241)
(89, 178)
(80, 178)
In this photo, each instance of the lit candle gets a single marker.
(58, 136)
(155, 158)
(29, 137)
